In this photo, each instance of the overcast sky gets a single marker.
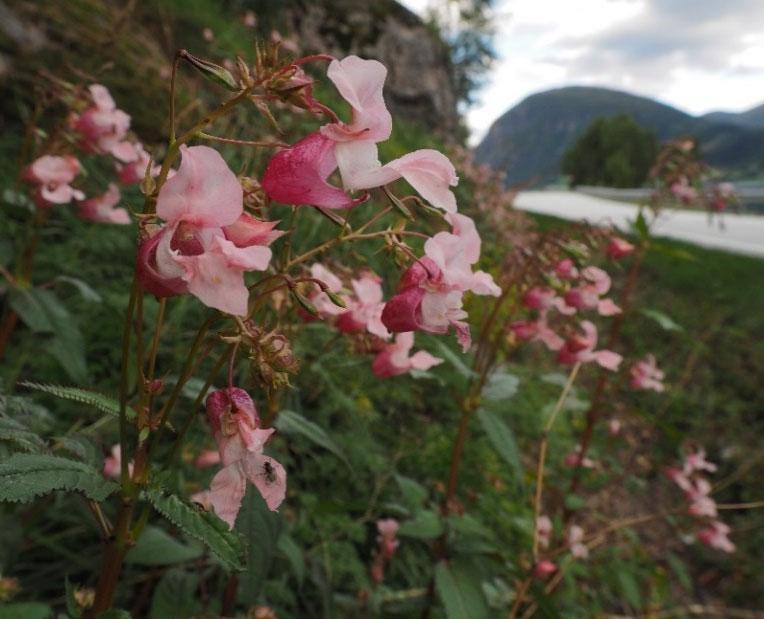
(698, 55)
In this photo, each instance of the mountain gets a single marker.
(528, 141)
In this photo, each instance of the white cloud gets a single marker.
(698, 55)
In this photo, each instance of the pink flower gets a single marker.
(614, 427)
(617, 248)
(537, 330)
(112, 464)
(574, 459)
(544, 568)
(387, 538)
(53, 176)
(208, 241)
(544, 530)
(101, 208)
(234, 423)
(297, 175)
(364, 311)
(696, 461)
(566, 269)
(133, 168)
(394, 358)
(587, 296)
(716, 535)
(103, 127)
(430, 292)
(579, 348)
(646, 375)
(684, 192)
(539, 298)
(576, 542)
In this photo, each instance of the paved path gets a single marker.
(741, 234)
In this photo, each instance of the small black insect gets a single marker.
(270, 473)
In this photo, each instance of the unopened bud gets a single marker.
(213, 72)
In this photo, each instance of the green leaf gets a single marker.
(501, 385)
(629, 587)
(100, 402)
(204, 526)
(503, 441)
(425, 524)
(640, 226)
(43, 312)
(453, 358)
(88, 294)
(175, 596)
(260, 527)
(290, 422)
(460, 595)
(679, 568)
(26, 476)
(17, 433)
(665, 322)
(25, 610)
(293, 553)
(414, 493)
(157, 547)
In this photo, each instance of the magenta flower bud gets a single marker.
(617, 248)
(538, 298)
(228, 408)
(544, 568)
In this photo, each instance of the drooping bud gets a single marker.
(271, 356)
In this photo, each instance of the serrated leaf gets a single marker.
(502, 385)
(26, 476)
(204, 526)
(664, 322)
(26, 610)
(293, 553)
(503, 441)
(460, 595)
(17, 433)
(175, 596)
(101, 402)
(157, 547)
(425, 524)
(290, 422)
(260, 527)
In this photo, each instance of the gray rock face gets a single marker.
(419, 84)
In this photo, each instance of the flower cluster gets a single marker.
(571, 291)
(697, 490)
(102, 129)
(362, 315)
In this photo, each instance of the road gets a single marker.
(741, 234)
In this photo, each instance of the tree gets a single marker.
(614, 152)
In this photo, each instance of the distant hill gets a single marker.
(528, 140)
